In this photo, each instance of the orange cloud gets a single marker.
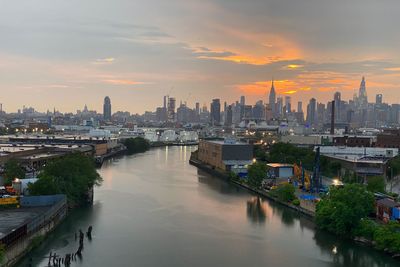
(256, 48)
(293, 66)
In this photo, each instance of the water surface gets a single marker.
(154, 209)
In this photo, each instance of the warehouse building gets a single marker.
(227, 155)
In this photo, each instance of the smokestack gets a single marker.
(333, 118)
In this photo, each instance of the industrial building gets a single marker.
(227, 155)
(278, 170)
(363, 161)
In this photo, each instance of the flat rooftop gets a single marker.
(279, 165)
(11, 219)
(222, 142)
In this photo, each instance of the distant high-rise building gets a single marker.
(171, 109)
(338, 108)
(242, 100)
(242, 106)
(259, 111)
(288, 104)
(311, 110)
(107, 109)
(165, 102)
(279, 107)
(362, 94)
(229, 116)
(321, 112)
(272, 98)
(215, 112)
(299, 106)
(379, 99)
(197, 108)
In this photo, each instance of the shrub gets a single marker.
(285, 192)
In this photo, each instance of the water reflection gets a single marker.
(217, 184)
(346, 253)
(256, 210)
(154, 209)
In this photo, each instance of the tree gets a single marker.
(376, 184)
(256, 173)
(72, 175)
(136, 145)
(2, 253)
(394, 164)
(366, 228)
(12, 170)
(340, 212)
(285, 192)
(388, 237)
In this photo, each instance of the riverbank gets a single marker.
(24, 228)
(266, 194)
(145, 201)
(259, 192)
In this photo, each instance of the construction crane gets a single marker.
(316, 181)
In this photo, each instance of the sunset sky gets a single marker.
(68, 53)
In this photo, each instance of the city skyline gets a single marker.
(55, 55)
(270, 97)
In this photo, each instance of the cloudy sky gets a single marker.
(68, 53)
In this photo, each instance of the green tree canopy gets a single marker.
(12, 169)
(288, 153)
(341, 211)
(136, 145)
(376, 184)
(72, 175)
(285, 192)
(256, 173)
(388, 237)
(394, 164)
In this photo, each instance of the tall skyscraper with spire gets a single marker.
(272, 98)
(362, 94)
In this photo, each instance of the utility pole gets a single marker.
(391, 180)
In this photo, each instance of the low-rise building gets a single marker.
(226, 155)
(354, 141)
(302, 140)
(387, 209)
(389, 138)
(278, 170)
(364, 161)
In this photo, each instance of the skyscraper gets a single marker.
(338, 106)
(215, 112)
(272, 98)
(362, 94)
(288, 104)
(242, 104)
(379, 99)
(229, 116)
(311, 108)
(107, 109)
(242, 100)
(299, 106)
(278, 107)
(171, 109)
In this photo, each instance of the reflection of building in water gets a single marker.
(256, 210)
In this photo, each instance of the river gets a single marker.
(154, 209)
